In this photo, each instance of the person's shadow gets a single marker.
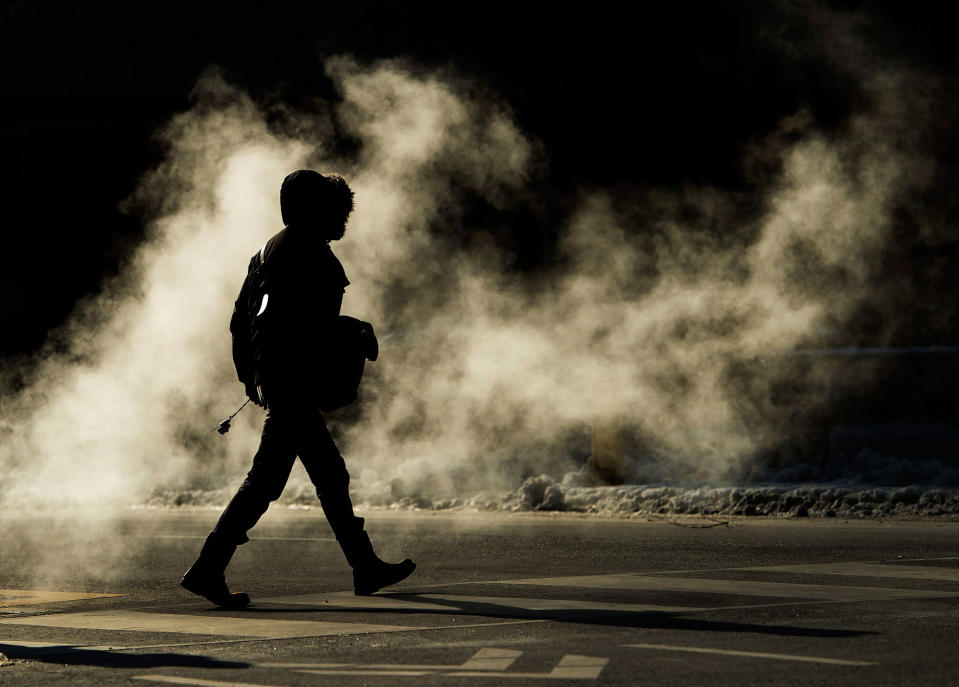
(71, 654)
(501, 608)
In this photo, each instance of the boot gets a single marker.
(205, 577)
(370, 574)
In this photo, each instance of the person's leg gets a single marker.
(327, 471)
(263, 484)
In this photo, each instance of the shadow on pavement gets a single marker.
(78, 656)
(598, 616)
(668, 621)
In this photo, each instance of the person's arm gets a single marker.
(328, 306)
(243, 358)
(333, 290)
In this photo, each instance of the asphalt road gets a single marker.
(495, 600)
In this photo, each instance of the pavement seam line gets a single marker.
(696, 571)
(752, 654)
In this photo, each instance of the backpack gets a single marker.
(247, 332)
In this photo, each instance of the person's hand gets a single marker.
(253, 393)
(370, 344)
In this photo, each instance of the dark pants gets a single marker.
(292, 428)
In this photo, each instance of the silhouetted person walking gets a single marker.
(295, 354)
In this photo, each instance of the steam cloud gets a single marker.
(653, 320)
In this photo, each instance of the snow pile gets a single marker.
(845, 499)
(803, 500)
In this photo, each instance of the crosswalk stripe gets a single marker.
(753, 654)
(198, 682)
(570, 667)
(364, 671)
(41, 648)
(909, 572)
(255, 539)
(485, 663)
(199, 624)
(28, 597)
(301, 667)
(491, 659)
(579, 667)
(538, 609)
(482, 660)
(636, 582)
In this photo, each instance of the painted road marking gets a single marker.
(11, 646)
(26, 597)
(484, 663)
(382, 673)
(638, 582)
(49, 647)
(38, 645)
(491, 659)
(909, 572)
(536, 610)
(453, 604)
(199, 624)
(174, 680)
(752, 654)
(482, 660)
(581, 667)
(571, 667)
(204, 536)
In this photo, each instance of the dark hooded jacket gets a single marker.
(286, 313)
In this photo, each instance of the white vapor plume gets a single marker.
(652, 321)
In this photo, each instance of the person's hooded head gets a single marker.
(315, 202)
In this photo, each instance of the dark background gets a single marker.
(622, 96)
